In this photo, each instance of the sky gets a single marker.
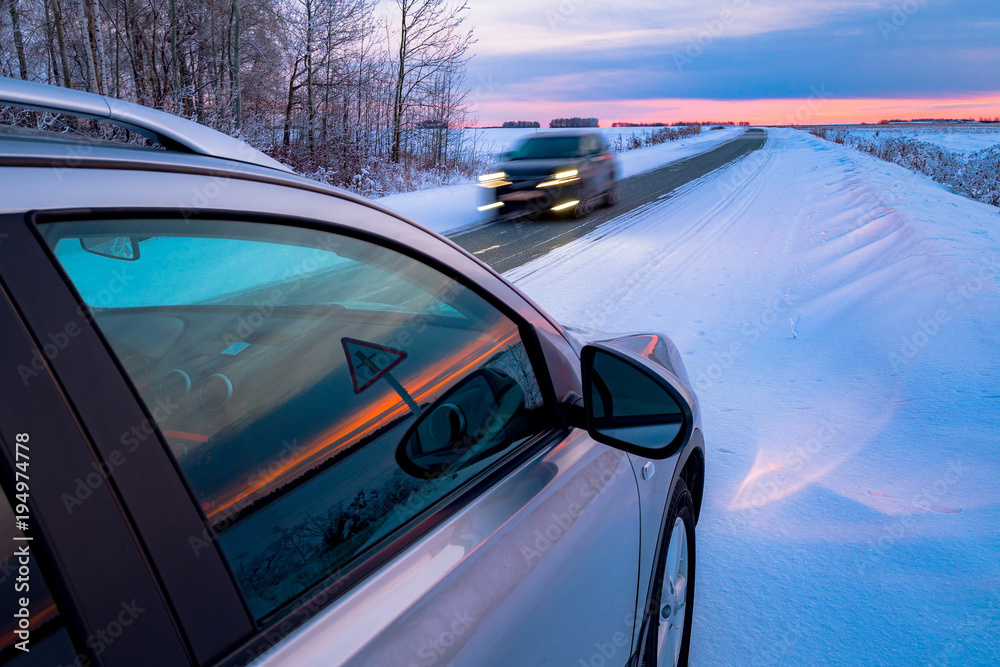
(762, 61)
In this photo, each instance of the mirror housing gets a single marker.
(633, 403)
(479, 417)
(125, 248)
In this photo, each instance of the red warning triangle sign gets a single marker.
(369, 362)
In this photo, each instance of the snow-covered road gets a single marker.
(840, 318)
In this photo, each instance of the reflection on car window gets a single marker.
(287, 369)
(179, 271)
(42, 633)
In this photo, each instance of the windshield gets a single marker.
(547, 148)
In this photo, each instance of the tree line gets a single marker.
(574, 122)
(341, 90)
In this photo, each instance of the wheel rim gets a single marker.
(673, 597)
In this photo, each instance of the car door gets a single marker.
(371, 443)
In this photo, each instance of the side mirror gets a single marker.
(479, 417)
(125, 248)
(633, 403)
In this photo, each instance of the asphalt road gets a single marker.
(505, 245)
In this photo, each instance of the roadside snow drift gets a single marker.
(840, 319)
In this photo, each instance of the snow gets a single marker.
(962, 138)
(960, 142)
(451, 208)
(840, 318)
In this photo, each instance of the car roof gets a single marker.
(173, 132)
(30, 151)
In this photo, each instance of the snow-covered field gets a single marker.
(958, 137)
(840, 318)
(963, 156)
(449, 208)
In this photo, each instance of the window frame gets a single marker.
(89, 559)
(338, 583)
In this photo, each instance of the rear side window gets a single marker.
(318, 391)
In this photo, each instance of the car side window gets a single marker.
(594, 145)
(318, 391)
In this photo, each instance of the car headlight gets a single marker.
(561, 178)
(495, 180)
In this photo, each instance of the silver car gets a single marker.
(251, 419)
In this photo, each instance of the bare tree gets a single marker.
(15, 24)
(335, 88)
(430, 41)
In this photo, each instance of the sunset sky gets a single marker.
(763, 61)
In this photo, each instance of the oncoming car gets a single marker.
(252, 419)
(555, 173)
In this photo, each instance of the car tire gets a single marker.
(667, 643)
(612, 196)
(583, 208)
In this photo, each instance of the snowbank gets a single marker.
(840, 319)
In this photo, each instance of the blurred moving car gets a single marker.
(564, 172)
(248, 418)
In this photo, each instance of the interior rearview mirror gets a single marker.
(125, 248)
(634, 404)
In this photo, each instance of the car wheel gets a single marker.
(668, 634)
(583, 207)
(612, 196)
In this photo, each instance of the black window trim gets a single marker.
(338, 583)
(145, 488)
(74, 560)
